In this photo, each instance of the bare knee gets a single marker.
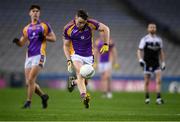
(158, 82)
(31, 81)
(146, 82)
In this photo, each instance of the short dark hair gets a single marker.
(151, 23)
(34, 6)
(83, 14)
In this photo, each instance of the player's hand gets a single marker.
(142, 63)
(15, 40)
(104, 48)
(70, 66)
(116, 66)
(163, 66)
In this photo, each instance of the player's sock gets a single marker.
(147, 95)
(44, 98)
(147, 99)
(83, 95)
(27, 104)
(158, 95)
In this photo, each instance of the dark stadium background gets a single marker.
(127, 20)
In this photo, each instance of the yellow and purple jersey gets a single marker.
(36, 36)
(105, 57)
(81, 40)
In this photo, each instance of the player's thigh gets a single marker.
(108, 69)
(77, 65)
(34, 73)
(107, 73)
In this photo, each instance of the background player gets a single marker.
(104, 63)
(35, 34)
(151, 58)
(78, 46)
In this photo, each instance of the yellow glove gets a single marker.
(70, 66)
(104, 48)
(116, 66)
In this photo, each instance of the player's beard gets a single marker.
(152, 32)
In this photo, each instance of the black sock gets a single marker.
(147, 95)
(158, 95)
(28, 101)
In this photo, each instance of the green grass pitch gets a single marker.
(68, 106)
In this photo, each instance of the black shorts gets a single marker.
(151, 69)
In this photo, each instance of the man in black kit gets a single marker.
(151, 57)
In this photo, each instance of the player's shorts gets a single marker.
(38, 60)
(151, 69)
(82, 59)
(104, 66)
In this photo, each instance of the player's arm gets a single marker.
(66, 41)
(140, 57)
(66, 48)
(162, 55)
(162, 58)
(96, 54)
(51, 37)
(140, 52)
(114, 56)
(115, 62)
(113, 52)
(20, 42)
(49, 33)
(24, 38)
(105, 29)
